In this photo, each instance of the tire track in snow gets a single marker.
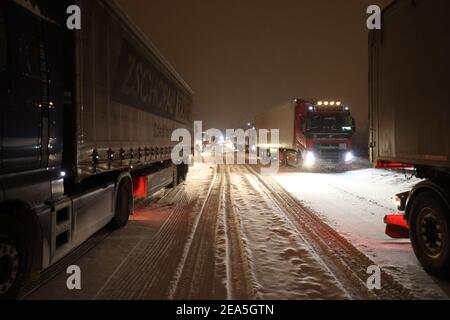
(239, 278)
(150, 267)
(213, 265)
(196, 268)
(281, 262)
(347, 263)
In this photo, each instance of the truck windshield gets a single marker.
(327, 124)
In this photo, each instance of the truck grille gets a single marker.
(330, 151)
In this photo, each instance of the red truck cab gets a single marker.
(323, 134)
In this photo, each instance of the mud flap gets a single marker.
(396, 226)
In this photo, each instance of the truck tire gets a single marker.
(124, 205)
(429, 231)
(14, 253)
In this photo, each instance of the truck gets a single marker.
(409, 121)
(313, 134)
(86, 122)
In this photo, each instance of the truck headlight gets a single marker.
(310, 159)
(349, 157)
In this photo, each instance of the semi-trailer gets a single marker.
(86, 121)
(409, 121)
(313, 134)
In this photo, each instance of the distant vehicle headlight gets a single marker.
(310, 159)
(349, 157)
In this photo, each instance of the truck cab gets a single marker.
(323, 135)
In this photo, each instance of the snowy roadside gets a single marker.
(355, 203)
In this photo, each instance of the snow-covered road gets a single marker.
(354, 203)
(229, 232)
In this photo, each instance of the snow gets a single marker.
(354, 203)
(260, 251)
(198, 172)
(282, 264)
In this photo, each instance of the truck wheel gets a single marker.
(430, 225)
(14, 266)
(124, 205)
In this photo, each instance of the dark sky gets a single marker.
(244, 56)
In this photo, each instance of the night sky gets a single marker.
(244, 56)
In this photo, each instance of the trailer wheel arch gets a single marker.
(429, 232)
(121, 177)
(124, 177)
(426, 186)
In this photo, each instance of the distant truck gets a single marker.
(86, 121)
(410, 121)
(313, 134)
